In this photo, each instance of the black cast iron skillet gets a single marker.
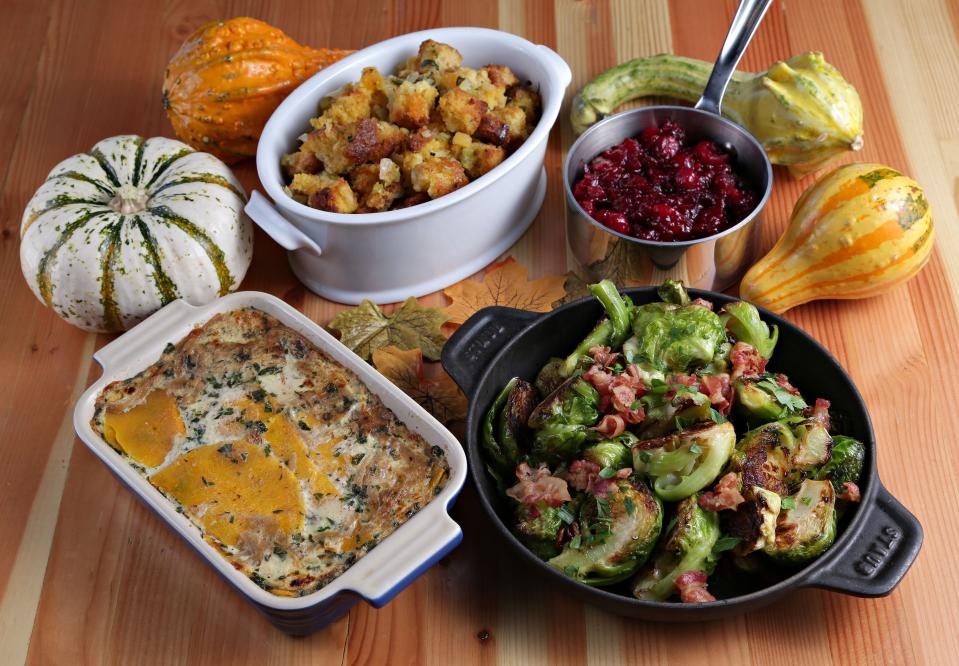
(878, 539)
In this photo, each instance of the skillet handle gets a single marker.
(470, 349)
(880, 555)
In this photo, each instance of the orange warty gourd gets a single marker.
(858, 231)
(228, 77)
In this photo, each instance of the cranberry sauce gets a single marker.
(658, 187)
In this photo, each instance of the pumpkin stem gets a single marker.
(129, 199)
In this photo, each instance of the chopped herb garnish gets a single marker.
(303, 425)
(169, 349)
(270, 370)
(205, 482)
(630, 506)
(806, 500)
(226, 449)
(565, 515)
(788, 503)
(259, 395)
(725, 543)
(607, 473)
(644, 456)
(695, 449)
(357, 458)
(576, 541)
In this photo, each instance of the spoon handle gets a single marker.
(747, 19)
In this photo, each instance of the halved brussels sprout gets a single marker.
(686, 462)
(512, 419)
(845, 464)
(550, 376)
(688, 547)
(762, 457)
(617, 533)
(754, 521)
(742, 320)
(501, 460)
(562, 421)
(612, 453)
(761, 399)
(574, 402)
(813, 445)
(537, 526)
(806, 526)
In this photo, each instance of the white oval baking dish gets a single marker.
(378, 576)
(387, 257)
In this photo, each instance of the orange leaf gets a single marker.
(439, 396)
(505, 283)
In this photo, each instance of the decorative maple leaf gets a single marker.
(365, 328)
(439, 396)
(505, 283)
(576, 288)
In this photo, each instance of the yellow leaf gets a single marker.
(505, 283)
(439, 396)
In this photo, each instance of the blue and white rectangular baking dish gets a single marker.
(378, 576)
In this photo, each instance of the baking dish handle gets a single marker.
(129, 346)
(422, 549)
(561, 66)
(880, 555)
(470, 349)
(277, 227)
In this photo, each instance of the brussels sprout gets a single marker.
(754, 521)
(613, 453)
(574, 402)
(562, 421)
(600, 336)
(845, 465)
(761, 399)
(511, 421)
(686, 462)
(502, 460)
(688, 547)
(677, 337)
(538, 526)
(617, 533)
(762, 457)
(687, 407)
(618, 307)
(813, 445)
(673, 292)
(742, 321)
(550, 376)
(806, 526)
(556, 442)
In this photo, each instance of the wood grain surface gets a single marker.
(88, 576)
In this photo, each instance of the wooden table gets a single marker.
(87, 575)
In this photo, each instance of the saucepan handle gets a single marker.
(470, 349)
(881, 554)
(277, 227)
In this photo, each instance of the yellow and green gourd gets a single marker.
(802, 111)
(858, 231)
(116, 233)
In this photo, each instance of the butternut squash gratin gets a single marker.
(283, 459)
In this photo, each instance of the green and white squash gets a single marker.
(115, 234)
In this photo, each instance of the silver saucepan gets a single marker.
(714, 262)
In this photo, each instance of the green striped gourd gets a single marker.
(802, 111)
(116, 233)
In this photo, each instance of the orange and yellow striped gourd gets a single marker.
(228, 77)
(858, 231)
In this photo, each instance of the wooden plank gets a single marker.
(119, 588)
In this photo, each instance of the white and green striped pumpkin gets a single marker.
(114, 234)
